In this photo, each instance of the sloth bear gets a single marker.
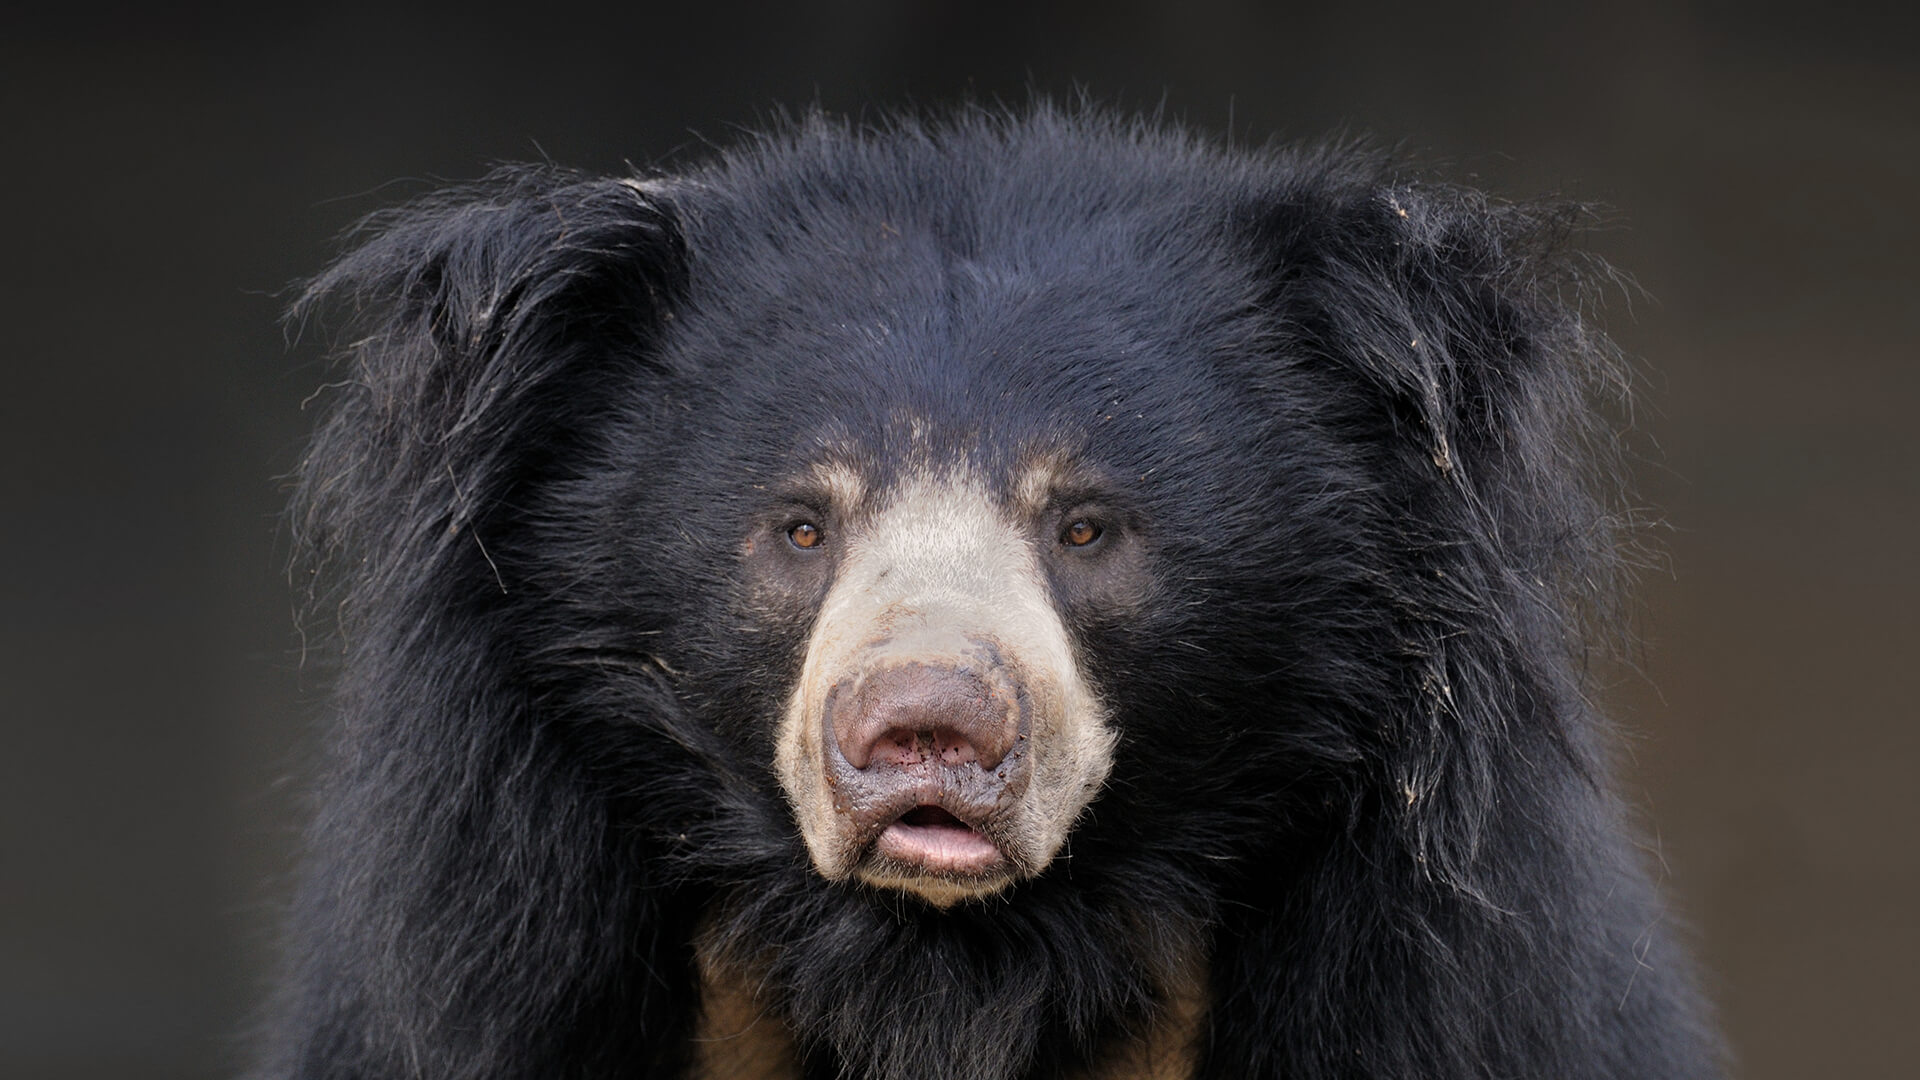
(1002, 595)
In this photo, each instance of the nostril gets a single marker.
(918, 714)
(897, 746)
(952, 748)
(907, 746)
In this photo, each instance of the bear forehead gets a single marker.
(883, 369)
(977, 266)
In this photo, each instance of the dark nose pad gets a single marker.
(916, 714)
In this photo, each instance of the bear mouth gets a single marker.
(932, 840)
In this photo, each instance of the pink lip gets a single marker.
(938, 841)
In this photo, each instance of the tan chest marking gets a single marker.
(1169, 1048)
(740, 1038)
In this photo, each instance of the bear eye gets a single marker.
(1080, 534)
(805, 535)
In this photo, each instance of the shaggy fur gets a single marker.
(1350, 415)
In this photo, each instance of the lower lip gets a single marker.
(940, 849)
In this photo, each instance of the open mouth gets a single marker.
(937, 842)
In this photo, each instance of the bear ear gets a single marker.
(1446, 336)
(459, 316)
(1463, 321)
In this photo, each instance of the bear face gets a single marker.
(1016, 597)
(942, 473)
(933, 657)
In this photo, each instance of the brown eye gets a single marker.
(804, 535)
(1080, 534)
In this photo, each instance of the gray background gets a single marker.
(165, 176)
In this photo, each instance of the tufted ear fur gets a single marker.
(447, 801)
(461, 313)
(1446, 336)
(1460, 322)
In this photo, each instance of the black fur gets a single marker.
(1352, 415)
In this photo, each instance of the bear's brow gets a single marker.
(1049, 479)
(839, 484)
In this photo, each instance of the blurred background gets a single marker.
(167, 173)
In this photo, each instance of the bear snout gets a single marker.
(923, 714)
(940, 738)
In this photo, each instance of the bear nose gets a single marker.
(914, 714)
